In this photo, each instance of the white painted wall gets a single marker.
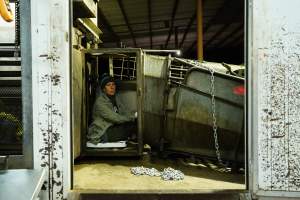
(51, 93)
(274, 60)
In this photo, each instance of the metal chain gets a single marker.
(213, 108)
(167, 174)
(214, 118)
(17, 23)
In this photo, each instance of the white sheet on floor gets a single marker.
(119, 144)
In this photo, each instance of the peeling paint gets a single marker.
(50, 102)
(51, 56)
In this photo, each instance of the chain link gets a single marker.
(17, 27)
(213, 107)
(166, 175)
(214, 117)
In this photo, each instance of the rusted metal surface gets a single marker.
(50, 72)
(276, 56)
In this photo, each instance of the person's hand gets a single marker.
(135, 115)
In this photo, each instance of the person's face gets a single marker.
(110, 88)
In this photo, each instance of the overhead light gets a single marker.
(175, 51)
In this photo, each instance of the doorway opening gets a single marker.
(190, 117)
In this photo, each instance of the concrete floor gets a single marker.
(115, 174)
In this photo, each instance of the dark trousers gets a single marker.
(119, 132)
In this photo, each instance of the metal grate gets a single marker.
(124, 68)
(177, 72)
(11, 128)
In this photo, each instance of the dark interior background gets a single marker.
(172, 24)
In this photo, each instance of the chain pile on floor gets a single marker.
(167, 173)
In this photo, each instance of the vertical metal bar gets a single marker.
(134, 68)
(122, 68)
(249, 179)
(199, 30)
(165, 102)
(140, 80)
(176, 37)
(111, 66)
(71, 94)
(26, 55)
(181, 75)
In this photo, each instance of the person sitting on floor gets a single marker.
(111, 121)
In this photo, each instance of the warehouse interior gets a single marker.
(173, 25)
(160, 28)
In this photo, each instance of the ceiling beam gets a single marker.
(127, 21)
(239, 40)
(145, 43)
(172, 21)
(233, 40)
(192, 19)
(153, 21)
(219, 13)
(103, 22)
(154, 30)
(224, 27)
(176, 37)
(150, 21)
(191, 47)
(155, 33)
(229, 36)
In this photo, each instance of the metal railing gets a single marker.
(177, 72)
(124, 68)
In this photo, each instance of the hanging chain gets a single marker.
(214, 117)
(213, 107)
(17, 28)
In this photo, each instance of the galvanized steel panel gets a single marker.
(77, 100)
(276, 54)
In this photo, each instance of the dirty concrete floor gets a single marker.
(115, 174)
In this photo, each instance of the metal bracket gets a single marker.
(3, 162)
(245, 196)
